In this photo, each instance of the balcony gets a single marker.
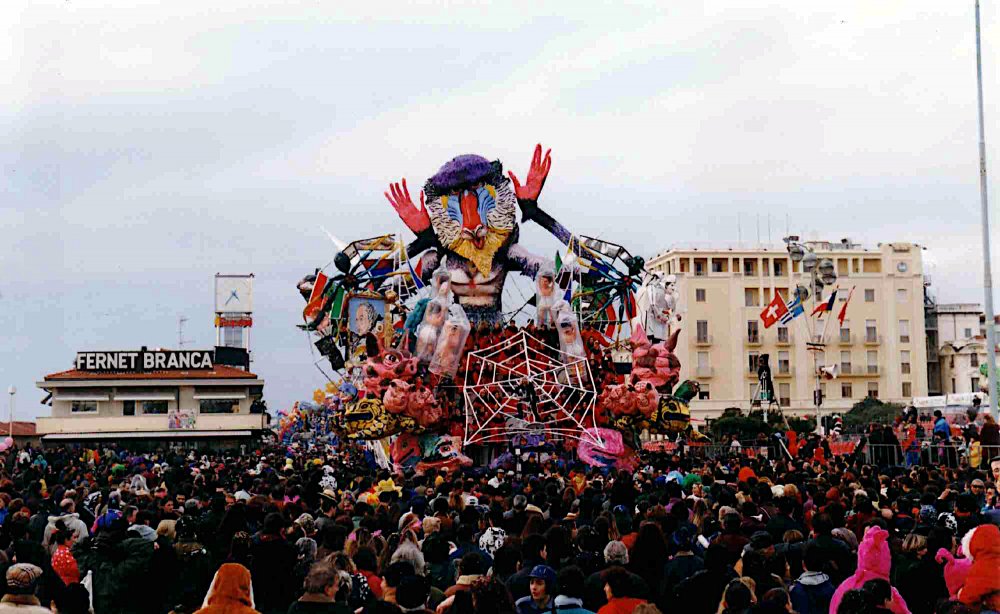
(845, 339)
(752, 340)
(873, 339)
(785, 341)
(704, 372)
(872, 370)
(703, 340)
(786, 372)
(846, 368)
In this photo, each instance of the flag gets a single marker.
(795, 309)
(315, 302)
(843, 310)
(558, 262)
(416, 272)
(827, 306)
(775, 310)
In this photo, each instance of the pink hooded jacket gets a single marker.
(874, 562)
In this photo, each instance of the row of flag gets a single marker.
(779, 310)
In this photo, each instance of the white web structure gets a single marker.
(522, 386)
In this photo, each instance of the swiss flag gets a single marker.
(773, 312)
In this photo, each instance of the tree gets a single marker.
(871, 410)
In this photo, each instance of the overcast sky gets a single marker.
(147, 145)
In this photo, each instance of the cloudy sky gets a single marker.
(148, 145)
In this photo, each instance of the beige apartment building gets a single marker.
(880, 350)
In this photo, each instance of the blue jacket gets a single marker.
(570, 605)
(941, 428)
(525, 605)
(811, 593)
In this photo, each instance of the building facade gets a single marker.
(879, 351)
(154, 396)
(956, 347)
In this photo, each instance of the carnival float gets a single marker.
(428, 354)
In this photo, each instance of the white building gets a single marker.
(153, 397)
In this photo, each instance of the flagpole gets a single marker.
(987, 268)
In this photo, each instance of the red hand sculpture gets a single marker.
(415, 219)
(536, 175)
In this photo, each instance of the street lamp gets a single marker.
(822, 273)
(11, 391)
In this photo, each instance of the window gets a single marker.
(845, 332)
(904, 362)
(784, 366)
(702, 326)
(219, 406)
(154, 407)
(702, 359)
(845, 362)
(751, 297)
(703, 393)
(904, 331)
(974, 360)
(901, 296)
(974, 384)
(907, 390)
(753, 331)
(782, 334)
(753, 361)
(718, 265)
(871, 331)
(699, 268)
(871, 265)
(872, 390)
(84, 407)
(128, 408)
(750, 267)
(784, 394)
(968, 333)
(846, 392)
(780, 268)
(953, 390)
(699, 295)
(232, 336)
(869, 295)
(844, 267)
(872, 361)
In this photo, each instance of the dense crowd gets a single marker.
(292, 530)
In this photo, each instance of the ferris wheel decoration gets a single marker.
(608, 280)
(522, 386)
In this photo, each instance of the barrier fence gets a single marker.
(926, 453)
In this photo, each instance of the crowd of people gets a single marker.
(298, 531)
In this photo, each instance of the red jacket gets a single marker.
(620, 605)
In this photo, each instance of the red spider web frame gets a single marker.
(494, 410)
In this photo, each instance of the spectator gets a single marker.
(542, 587)
(616, 589)
(230, 592)
(812, 591)
(321, 586)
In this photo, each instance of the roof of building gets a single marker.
(20, 429)
(217, 372)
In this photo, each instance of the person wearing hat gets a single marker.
(22, 581)
(542, 587)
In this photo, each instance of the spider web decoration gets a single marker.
(522, 386)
